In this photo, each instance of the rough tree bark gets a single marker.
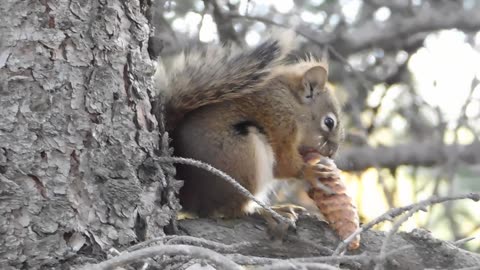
(314, 238)
(77, 138)
(76, 132)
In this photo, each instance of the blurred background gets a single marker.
(407, 73)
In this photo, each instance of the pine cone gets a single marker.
(338, 208)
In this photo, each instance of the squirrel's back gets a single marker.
(214, 74)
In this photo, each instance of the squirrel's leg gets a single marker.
(277, 229)
(238, 149)
(246, 156)
(243, 154)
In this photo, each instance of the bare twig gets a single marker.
(292, 265)
(452, 163)
(224, 24)
(259, 19)
(392, 213)
(195, 252)
(200, 24)
(387, 191)
(228, 179)
(190, 240)
(251, 260)
(375, 111)
(319, 39)
(383, 250)
(147, 243)
(395, 4)
(200, 242)
(363, 82)
(470, 268)
(464, 240)
(240, 259)
(364, 258)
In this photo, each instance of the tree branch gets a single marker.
(393, 32)
(232, 244)
(414, 153)
(226, 32)
(192, 251)
(415, 250)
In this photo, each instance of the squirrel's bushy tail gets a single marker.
(216, 74)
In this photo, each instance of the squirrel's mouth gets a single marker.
(304, 150)
(325, 150)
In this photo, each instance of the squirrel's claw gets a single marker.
(278, 229)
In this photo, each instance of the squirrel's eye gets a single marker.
(329, 122)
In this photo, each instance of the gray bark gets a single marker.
(76, 133)
(314, 238)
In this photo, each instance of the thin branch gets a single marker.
(464, 240)
(251, 260)
(363, 82)
(147, 243)
(470, 268)
(450, 168)
(257, 18)
(392, 33)
(200, 242)
(362, 258)
(191, 255)
(388, 192)
(388, 34)
(190, 240)
(415, 153)
(292, 265)
(200, 24)
(217, 259)
(175, 262)
(228, 179)
(375, 111)
(226, 31)
(398, 5)
(316, 38)
(393, 230)
(392, 213)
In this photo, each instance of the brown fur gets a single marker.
(250, 129)
(215, 74)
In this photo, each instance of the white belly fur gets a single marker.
(264, 170)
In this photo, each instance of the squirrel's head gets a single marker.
(319, 119)
(322, 129)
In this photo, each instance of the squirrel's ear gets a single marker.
(314, 81)
(316, 77)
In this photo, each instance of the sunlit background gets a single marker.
(421, 85)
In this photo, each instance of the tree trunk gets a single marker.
(76, 133)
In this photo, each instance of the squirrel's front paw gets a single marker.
(312, 173)
(290, 211)
(278, 229)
